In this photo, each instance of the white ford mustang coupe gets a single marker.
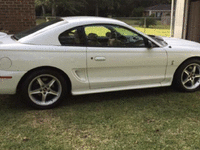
(81, 55)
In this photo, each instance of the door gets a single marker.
(73, 42)
(193, 32)
(118, 57)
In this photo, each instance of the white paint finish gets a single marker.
(8, 86)
(122, 68)
(67, 59)
(181, 50)
(80, 74)
(125, 66)
(2, 34)
(111, 89)
(5, 63)
(6, 40)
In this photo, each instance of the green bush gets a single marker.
(48, 14)
(149, 22)
(137, 12)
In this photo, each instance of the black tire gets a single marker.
(44, 89)
(187, 77)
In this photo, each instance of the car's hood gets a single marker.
(180, 42)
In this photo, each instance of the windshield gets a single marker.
(34, 29)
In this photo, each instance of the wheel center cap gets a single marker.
(45, 89)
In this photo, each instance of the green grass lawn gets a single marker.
(39, 21)
(153, 31)
(136, 23)
(158, 29)
(149, 31)
(149, 119)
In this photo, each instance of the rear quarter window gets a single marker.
(35, 29)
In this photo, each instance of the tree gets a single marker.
(41, 3)
(119, 8)
(137, 12)
(70, 5)
(107, 5)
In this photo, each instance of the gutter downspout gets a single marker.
(172, 20)
(185, 19)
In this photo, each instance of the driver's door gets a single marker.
(122, 59)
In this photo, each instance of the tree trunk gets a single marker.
(43, 11)
(97, 9)
(53, 10)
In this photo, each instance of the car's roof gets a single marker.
(87, 19)
(61, 26)
(49, 35)
(82, 18)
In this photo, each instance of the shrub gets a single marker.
(149, 22)
(137, 12)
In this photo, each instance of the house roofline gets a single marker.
(158, 10)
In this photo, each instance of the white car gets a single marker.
(82, 55)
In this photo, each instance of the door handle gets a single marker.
(99, 58)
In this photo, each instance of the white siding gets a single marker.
(179, 16)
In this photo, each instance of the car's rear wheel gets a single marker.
(44, 88)
(187, 77)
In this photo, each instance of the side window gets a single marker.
(129, 38)
(72, 37)
(112, 36)
(97, 35)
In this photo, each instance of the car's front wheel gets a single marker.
(187, 77)
(44, 88)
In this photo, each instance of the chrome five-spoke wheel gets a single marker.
(191, 76)
(44, 88)
(187, 77)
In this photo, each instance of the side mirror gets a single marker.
(149, 44)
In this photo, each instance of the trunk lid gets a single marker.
(6, 39)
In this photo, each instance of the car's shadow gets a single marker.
(112, 96)
(14, 102)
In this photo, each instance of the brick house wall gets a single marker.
(16, 15)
